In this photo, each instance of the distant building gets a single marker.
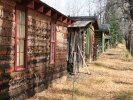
(81, 40)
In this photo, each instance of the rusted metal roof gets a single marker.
(80, 24)
(85, 20)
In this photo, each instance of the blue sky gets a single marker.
(62, 5)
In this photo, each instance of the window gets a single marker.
(52, 43)
(20, 39)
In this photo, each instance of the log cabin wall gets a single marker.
(89, 36)
(76, 39)
(38, 48)
(34, 77)
(7, 45)
(70, 50)
(84, 42)
(98, 38)
(89, 42)
(61, 50)
(97, 44)
(92, 34)
(38, 73)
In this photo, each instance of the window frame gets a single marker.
(20, 67)
(53, 43)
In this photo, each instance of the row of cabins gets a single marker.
(33, 47)
(87, 39)
(37, 44)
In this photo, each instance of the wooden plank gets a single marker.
(8, 3)
(84, 63)
(75, 63)
(7, 41)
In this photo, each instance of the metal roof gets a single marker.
(84, 18)
(80, 24)
(104, 27)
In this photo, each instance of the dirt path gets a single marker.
(111, 79)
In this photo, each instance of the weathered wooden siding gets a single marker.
(92, 34)
(84, 38)
(98, 38)
(38, 72)
(38, 39)
(84, 42)
(7, 43)
(61, 49)
(33, 79)
(90, 43)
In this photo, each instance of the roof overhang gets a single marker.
(79, 24)
(46, 10)
(92, 19)
(104, 28)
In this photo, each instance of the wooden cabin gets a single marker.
(81, 41)
(33, 47)
(97, 44)
(102, 40)
(104, 30)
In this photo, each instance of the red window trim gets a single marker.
(53, 42)
(20, 68)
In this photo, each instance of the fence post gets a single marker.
(103, 42)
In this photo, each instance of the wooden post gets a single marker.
(88, 42)
(103, 42)
(84, 61)
(74, 64)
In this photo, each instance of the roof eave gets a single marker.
(46, 10)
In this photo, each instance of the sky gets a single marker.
(62, 5)
(57, 4)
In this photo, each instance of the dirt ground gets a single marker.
(111, 79)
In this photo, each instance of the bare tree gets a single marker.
(123, 9)
(74, 8)
(89, 7)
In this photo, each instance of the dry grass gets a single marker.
(111, 79)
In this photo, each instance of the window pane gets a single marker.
(18, 30)
(52, 47)
(21, 46)
(21, 25)
(20, 40)
(52, 32)
(21, 59)
(23, 18)
(18, 46)
(19, 20)
(53, 56)
(17, 59)
(23, 31)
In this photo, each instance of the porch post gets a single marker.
(88, 42)
(103, 42)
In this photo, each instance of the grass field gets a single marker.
(111, 79)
